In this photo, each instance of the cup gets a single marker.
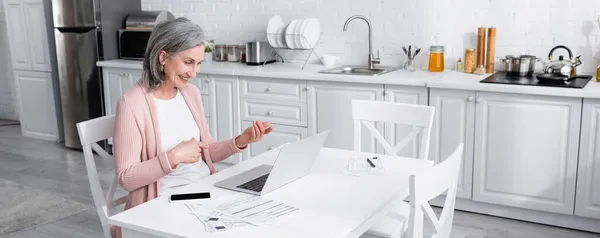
(328, 60)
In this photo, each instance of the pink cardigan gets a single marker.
(139, 161)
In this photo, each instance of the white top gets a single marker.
(176, 124)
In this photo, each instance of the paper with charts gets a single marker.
(358, 166)
(239, 210)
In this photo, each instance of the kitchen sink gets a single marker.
(357, 70)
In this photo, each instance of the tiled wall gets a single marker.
(7, 87)
(523, 26)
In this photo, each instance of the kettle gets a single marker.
(562, 66)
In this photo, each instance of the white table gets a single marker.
(331, 204)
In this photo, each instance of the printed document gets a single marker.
(234, 211)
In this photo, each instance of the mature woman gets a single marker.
(161, 138)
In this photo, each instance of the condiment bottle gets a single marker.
(598, 74)
(436, 58)
(459, 65)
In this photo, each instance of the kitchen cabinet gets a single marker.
(115, 83)
(280, 135)
(453, 124)
(28, 35)
(224, 109)
(393, 132)
(282, 102)
(520, 150)
(37, 111)
(329, 108)
(587, 202)
(525, 151)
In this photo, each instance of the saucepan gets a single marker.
(559, 78)
(520, 65)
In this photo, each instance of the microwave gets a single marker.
(132, 43)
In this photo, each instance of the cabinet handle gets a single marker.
(270, 113)
(270, 148)
(306, 88)
(470, 99)
(478, 100)
(268, 89)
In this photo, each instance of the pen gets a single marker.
(371, 163)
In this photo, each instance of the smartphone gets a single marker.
(189, 196)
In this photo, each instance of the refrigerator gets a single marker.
(85, 31)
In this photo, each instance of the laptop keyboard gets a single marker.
(256, 184)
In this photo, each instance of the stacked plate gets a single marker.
(298, 34)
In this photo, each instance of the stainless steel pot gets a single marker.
(520, 65)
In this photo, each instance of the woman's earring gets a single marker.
(161, 68)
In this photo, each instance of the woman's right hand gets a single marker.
(188, 152)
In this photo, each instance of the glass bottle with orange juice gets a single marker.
(436, 58)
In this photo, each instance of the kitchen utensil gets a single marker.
(258, 53)
(562, 66)
(520, 65)
(481, 46)
(490, 53)
(559, 78)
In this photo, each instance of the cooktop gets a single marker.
(502, 77)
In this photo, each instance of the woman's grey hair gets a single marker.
(171, 36)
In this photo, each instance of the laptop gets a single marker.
(293, 161)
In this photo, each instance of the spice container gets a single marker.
(598, 74)
(243, 53)
(233, 53)
(436, 58)
(220, 53)
(469, 61)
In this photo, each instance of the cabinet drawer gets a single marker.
(273, 89)
(287, 113)
(281, 134)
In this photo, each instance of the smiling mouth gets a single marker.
(186, 79)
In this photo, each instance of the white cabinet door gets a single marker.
(526, 150)
(116, 82)
(281, 134)
(224, 110)
(454, 123)
(393, 132)
(36, 105)
(17, 35)
(588, 173)
(37, 36)
(330, 108)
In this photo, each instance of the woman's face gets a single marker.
(182, 67)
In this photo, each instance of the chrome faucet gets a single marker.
(372, 59)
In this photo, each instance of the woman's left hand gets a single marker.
(253, 133)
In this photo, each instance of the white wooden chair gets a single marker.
(90, 132)
(407, 219)
(418, 116)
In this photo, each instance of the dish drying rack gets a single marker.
(302, 38)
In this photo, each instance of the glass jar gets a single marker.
(243, 53)
(233, 53)
(220, 53)
(436, 58)
(598, 74)
(469, 65)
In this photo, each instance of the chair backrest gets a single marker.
(90, 132)
(420, 117)
(427, 185)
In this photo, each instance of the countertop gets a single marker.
(447, 80)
